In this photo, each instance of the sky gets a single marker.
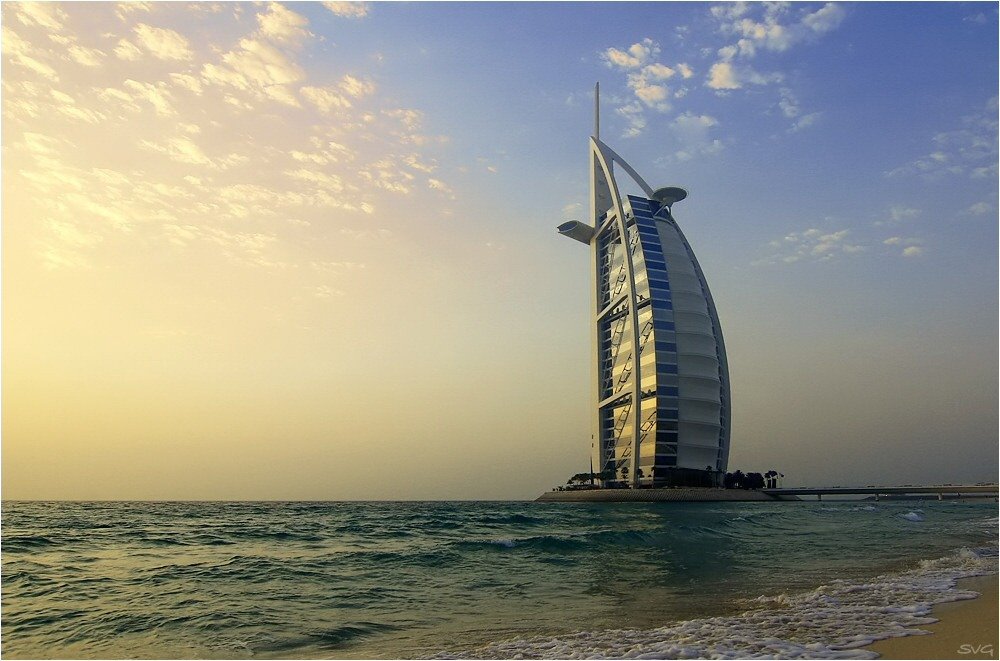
(308, 250)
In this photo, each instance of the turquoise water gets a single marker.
(398, 580)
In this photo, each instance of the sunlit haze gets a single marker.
(308, 251)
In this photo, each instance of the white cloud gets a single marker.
(325, 98)
(163, 43)
(348, 9)
(980, 208)
(811, 245)
(88, 57)
(969, 150)
(788, 104)
(723, 77)
(828, 18)
(126, 50)
(805, 121)
(635, 56)
(357, 87)
(771, 26)
(47, 15)
(644, 77)
(181, 181)
(281, 25)
(658, 71)
(899, 212)
(259, 68)
(22, 53)
(693, 134)
(913, 251)
(155, 95)
(123, 10)
(379, 234)
(188, 82)
(633, 114)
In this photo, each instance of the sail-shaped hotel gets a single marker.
(660, 398)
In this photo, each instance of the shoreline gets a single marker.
(966, 629)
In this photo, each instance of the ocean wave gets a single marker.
(917, 516)
(333, 638)
(830, 622)
(563, 542)
(15, 543)
(853, 508)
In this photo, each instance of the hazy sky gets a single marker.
(308, 251)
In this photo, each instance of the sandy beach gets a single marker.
(966, 630)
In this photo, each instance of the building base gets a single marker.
(683, 495)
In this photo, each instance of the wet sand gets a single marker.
(966, 630)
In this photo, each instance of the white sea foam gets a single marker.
(830, 622)
(913, 516)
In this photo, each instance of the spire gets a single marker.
(597, 111)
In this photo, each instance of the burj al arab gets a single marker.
(661, 407)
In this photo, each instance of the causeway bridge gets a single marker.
(950, 490)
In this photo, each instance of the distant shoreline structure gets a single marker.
(681, 495)
(705, 494)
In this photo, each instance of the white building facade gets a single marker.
(661, 397)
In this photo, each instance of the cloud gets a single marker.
(88, 57)
(644, 77)
(379, 234)
(22, 53)
(572, 210)
(155, 94)
(979, 209)
(179, 161)
(969, 150)
(281, 25)
(897, 214)
(811, 245)
(633, 114)
(126, 50)
(124, 10)
(805, 121)
(788, 104)
(187, 82)
(722, 76)
(692, 132)
(910, 245)
(772, 26)
(324, 98)
(357, 87)
(259, 68)
(348, 9)
(825, 19)
(163, 43)
(634, 56)
(47, 15)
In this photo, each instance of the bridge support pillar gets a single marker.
(940, 496)
(876, 498)
(819, 496)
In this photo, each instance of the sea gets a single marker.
(497, 580)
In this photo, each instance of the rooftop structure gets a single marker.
(660, 381)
